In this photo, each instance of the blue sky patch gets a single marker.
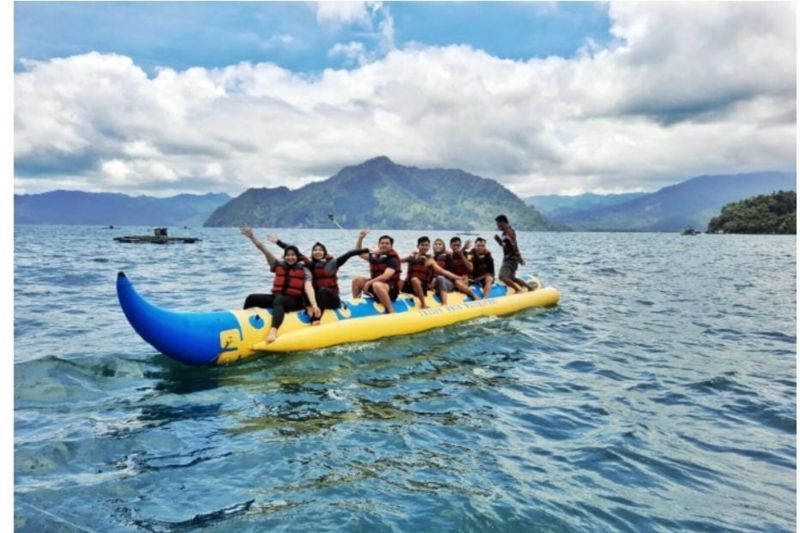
(211, 34)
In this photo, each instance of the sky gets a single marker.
(546, 98)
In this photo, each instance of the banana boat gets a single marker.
(223, 337)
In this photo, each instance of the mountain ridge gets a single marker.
(553, 205)
(108, 208)
(381, 193)
(692, 202)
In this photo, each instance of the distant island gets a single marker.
(379, 193)
(774, 213)
(104, 209)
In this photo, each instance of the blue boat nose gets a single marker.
(191, 338)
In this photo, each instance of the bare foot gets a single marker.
(315, 323)
(273, 335)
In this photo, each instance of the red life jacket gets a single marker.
(323, 279)
(378, 265)
(418, 269)
(480, 264)
(442, 260)
(289, 280)
(459, 266)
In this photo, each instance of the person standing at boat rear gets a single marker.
(482, 266)
(292, 282)
(384, 267)
(323, 268)
(512, 257)
(421, 270)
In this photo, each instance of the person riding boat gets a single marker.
(461, 266)
(482, 266)
(292, 282)
(384, 267)
(443, 285)
(323, 267)
(421, 271)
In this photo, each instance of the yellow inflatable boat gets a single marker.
(221, 337)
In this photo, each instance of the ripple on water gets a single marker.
(647, 400)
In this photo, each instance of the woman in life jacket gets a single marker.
(421, 271)
(323, 267)
(455, 262)
(384, 269)
(292, 282)
(482, 266)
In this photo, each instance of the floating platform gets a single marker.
(159, 237)
(155, 240)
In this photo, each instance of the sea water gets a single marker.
(658, 395)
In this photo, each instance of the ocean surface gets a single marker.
(658, 396)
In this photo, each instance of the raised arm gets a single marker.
(248, 232)
(360, 244)
(467, 262)
(334, 264)
(274, 238)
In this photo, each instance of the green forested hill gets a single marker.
(766, 213)
(381, 194)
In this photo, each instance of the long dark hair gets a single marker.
(292, 248)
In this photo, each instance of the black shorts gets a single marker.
(393, 293)
(409, 289)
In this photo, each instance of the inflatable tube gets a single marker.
(222, 337)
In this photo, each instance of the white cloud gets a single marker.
(352, 51)
(683, 90)
(341, 13)
(374, 16)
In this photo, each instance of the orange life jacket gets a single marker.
(289, 280)
(480, 264)
(443, 260)
(459, 266)
(323, 279)
(378, 265)
(418, 269)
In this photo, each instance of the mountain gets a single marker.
(553, 205)
(381, 194)
(77, 207)
(690, 203)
